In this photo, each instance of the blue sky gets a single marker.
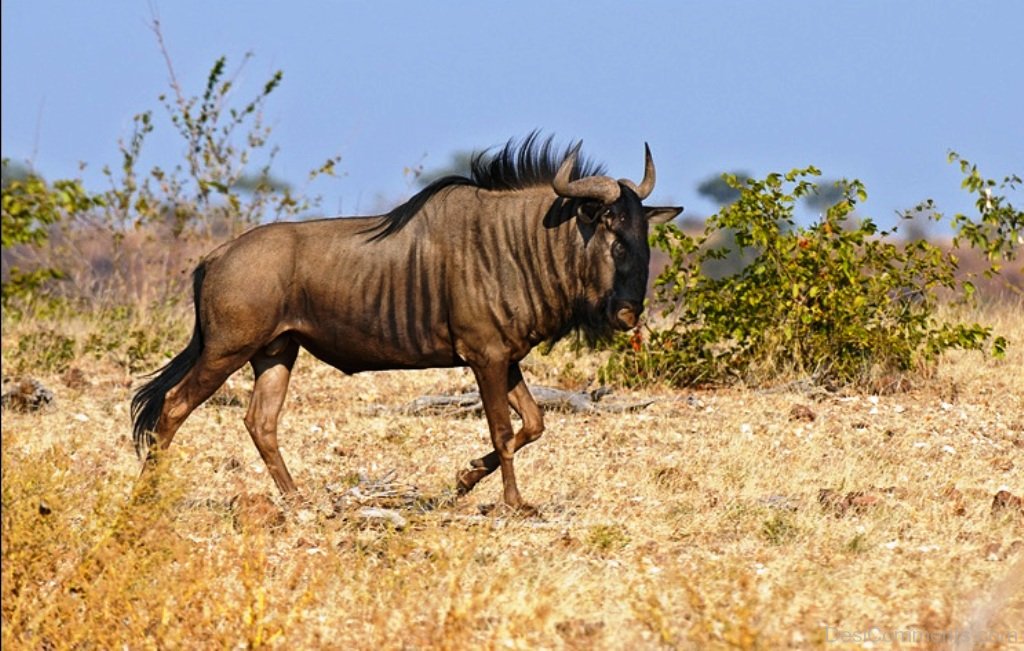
(877, 90)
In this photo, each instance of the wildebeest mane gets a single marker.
(516, 166)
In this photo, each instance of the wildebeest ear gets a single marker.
(588, 211)
(661, 214)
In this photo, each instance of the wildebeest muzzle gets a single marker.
(624, 315)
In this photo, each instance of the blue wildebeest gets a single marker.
(471, 271)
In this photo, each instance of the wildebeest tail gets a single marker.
(148, 402)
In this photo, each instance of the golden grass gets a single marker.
(693, 524)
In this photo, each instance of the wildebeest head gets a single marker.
(614, 224)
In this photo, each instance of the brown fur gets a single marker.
(477, 278)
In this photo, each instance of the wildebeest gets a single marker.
(471, 271)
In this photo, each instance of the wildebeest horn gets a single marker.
(602, 188)
(647, 185)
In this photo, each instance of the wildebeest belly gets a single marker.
(352, 349)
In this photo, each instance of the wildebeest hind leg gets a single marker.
(201, 381)
(272, 367)
(529, 411)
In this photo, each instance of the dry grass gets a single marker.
(694, 524)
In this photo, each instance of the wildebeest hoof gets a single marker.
(466, 479)
(525, 510)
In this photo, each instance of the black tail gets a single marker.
(148, 403)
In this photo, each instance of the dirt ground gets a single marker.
(728, 518)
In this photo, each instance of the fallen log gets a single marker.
(549, 398)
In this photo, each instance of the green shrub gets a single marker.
(999, 231)
(838, 302)
(126, 245)
(219, 189)
(45, 350)
(31, 207)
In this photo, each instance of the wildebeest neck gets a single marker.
(515, 267)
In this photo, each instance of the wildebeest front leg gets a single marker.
(493, 381)
(533, 426)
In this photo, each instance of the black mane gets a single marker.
(516, 166)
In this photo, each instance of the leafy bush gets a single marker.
(49, 351)
(115, 263)
(31, 207)
(131, 243)
(1000, 229)
(838, 302)
(57, 335)
(214, 191)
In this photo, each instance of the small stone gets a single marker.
(578, 628)
(1004, 501)
(74, 378)
(781, 502)
(1013, 549)
(378, 516)
(852, 502)
(25, 394)
(831, 499)
(801, 412)
(305, 516)
(992, 551)
(1004, 464)
(899, 492)
(231, 465)
(859, 501)
(956, 499)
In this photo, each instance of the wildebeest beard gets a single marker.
(590, 323)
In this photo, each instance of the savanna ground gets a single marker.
(698, 522)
